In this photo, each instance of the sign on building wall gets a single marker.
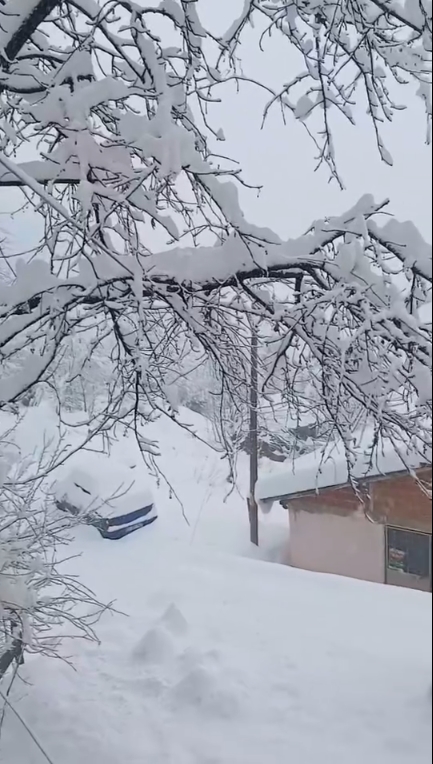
(409, 553)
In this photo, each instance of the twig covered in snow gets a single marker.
(373, 46)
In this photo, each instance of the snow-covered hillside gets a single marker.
(219, 659)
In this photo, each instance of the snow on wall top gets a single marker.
(316, 471)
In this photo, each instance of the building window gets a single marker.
(409, 552)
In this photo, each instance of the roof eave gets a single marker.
(340, 486)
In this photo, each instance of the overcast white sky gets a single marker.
(281, 158)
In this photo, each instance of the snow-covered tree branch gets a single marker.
(351, 51)
(119, 102)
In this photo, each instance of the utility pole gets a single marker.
(253, 509)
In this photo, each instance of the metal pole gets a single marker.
(254, 444)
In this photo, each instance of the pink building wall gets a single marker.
(347, 545)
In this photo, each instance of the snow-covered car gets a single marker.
(108, 499)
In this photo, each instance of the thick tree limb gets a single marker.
(24, 19)
(14, 654)
(391, 9)
(41, 172)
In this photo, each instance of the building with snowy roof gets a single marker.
(375, 525)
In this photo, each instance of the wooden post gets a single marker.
(254, 438)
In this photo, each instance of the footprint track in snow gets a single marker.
(180, 675)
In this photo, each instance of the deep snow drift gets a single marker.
(223, 660)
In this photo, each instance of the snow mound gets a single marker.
(155, 647)
(158, 645)
(175, 622)
(186, 679)
(202, 692)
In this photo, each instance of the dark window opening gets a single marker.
(409, 552)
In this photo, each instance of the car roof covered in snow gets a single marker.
(105, 487)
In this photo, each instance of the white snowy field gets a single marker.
(221, 659)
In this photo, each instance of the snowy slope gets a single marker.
(230, 661)
(195, 502)
(218, 659)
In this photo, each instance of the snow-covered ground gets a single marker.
(221, 659)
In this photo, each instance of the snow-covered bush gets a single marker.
(38, 599)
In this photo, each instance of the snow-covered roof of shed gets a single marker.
(315, 471)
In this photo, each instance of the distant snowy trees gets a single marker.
(118, 102)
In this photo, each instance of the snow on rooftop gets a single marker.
(315, 471)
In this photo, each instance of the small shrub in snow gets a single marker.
(39, 602)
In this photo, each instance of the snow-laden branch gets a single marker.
(242, 257)
(121, 125)
(374, 46)
(239, 259)
(19, 19)
(365, 338)
(414, 14)
(40, 171)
